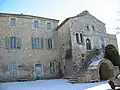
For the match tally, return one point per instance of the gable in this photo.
(84, 13)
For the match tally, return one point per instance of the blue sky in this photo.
(105, 10)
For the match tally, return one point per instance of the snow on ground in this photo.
(54, 84)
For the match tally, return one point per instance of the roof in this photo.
(79, 15)
(25, 15)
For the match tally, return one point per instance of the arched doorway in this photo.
(106, 71)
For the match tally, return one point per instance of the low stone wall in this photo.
(116, 70)
(92, 75)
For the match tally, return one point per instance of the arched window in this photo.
(81, 37)
(88, 44)
(77, 37)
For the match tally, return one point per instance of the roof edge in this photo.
(27, 15)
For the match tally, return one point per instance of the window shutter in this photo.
(7, 42)
(37, 43)
(18, 43)
(53, 44)
(33, 42)
(46, 43)
(42, 43)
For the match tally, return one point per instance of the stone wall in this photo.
(25, 58)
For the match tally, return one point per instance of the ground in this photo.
(55, 84)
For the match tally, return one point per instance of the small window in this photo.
(35, 42)
(77, 37)
(87, 27)
(102, 43)
(93, 27)
(36, 24)
(13, 71)
(88, 44)
(52, 68)
(50, 43)
(13, 42)
(13, 22)
(49, 26)
(81, 37)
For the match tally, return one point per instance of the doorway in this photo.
(38, 71)
(105, 71)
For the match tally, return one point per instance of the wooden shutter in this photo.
(33, 42)
(7, 42)
(42, 43)
(18, 43)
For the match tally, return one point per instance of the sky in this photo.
(108, 11)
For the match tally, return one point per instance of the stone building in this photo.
(33, 47)
(82, 39)
(27, 47)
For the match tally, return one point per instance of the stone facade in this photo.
(76, 43)
(83, 34)
(25, 58)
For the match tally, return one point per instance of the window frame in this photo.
(13, 42)
(37, 40)
(10, 19)
(80, 39)
(90, 47)
(34, 24)
(47, 26)
(52, 67)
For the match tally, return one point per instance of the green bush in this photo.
(112, 54)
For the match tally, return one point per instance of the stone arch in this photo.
(106, 69)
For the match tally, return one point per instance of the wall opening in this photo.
(105, 71)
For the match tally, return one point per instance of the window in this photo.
(42, 43)
(49, 26)
(87, 27)
(93, 27)
(77, 37)
(36, 24)
(49, 44)
(88, 44)
(13, 71)
(102, 43)
(13, 22)
(81, 38)
(13, 43)
(52, 68)
(37, 43)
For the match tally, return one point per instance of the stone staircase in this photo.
(82, 70)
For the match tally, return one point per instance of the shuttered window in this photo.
(13, 43)
(52, 67)
(37, 43)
